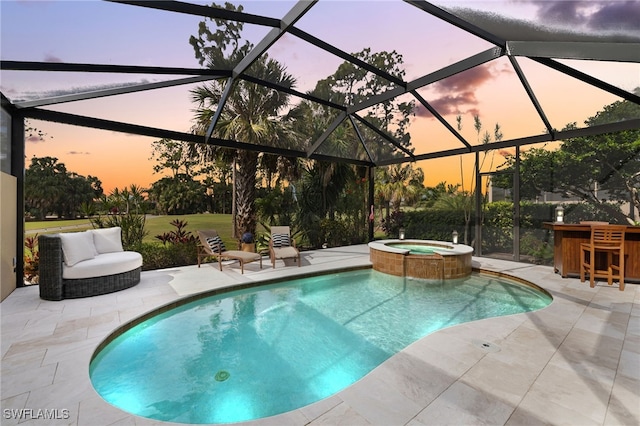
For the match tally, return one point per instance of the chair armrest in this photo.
(50, 267)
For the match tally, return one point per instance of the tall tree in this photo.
(174, 156)
(350, 85)
(251, 112)
(51, 188)
(583, 167)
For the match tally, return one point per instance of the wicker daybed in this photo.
(53, 268)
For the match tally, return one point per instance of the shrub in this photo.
(179, 248)
(157, 256)
(391, 224)
(541, 251)
(132, 226)
(31, 259)
(178, 235)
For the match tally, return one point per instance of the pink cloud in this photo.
(457, 94)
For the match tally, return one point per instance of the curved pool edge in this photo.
(256, 284)
(379, 376)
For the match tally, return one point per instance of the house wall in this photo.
(8, 220)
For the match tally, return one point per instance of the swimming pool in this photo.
(266, 350)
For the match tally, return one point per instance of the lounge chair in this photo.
(282, 246)
(210, 245)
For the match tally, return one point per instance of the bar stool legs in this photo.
(610, 240)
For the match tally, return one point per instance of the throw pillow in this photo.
(107, 240)
(76, 247)
(280, 240)
(216, 244)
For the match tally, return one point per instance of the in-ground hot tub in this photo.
(427, 259)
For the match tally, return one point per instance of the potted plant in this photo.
(248, 242)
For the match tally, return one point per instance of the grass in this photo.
(155, 225)
(54, 225)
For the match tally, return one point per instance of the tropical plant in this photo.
(125, 208)
(31, 259)
(179, 235)
(396, 184)
(131, 224)
(250, 113)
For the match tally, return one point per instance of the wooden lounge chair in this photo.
(282, 246)
(210, 245)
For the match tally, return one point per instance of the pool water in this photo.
(417, 248)
(267, 350)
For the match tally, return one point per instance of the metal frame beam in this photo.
(360, 138)
(134, 129)
(334, 125)
(296, 12)
(588, 79)
(440, 118)
(441, 74)
(384, 135)
(615, 52)
(221, 103)
(619, 126)
(111, 92)
(107, 68)
(458, 22)
(532, 96)
(292, 92)
(198, 10)
(344, 55)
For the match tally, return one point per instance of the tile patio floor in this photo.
(576, 362)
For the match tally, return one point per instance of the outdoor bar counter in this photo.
(567, 238)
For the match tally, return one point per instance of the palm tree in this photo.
(251, 116)
(398, 183)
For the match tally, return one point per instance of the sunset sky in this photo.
(108, 33)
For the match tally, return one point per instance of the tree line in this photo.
(315, 195)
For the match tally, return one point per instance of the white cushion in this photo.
(107, 240)
(103, 264)
(76, 247)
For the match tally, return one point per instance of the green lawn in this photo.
(155, 225)
(54, 225)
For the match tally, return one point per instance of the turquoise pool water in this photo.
(267, 350)
(417, 248)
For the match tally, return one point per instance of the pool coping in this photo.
(573, 362)
(442, 248)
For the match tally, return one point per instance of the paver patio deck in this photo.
(576, 362)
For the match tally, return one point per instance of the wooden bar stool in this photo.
(610, 240)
